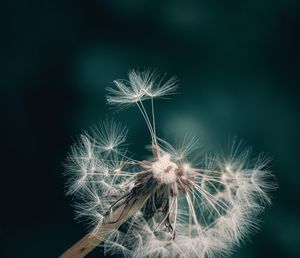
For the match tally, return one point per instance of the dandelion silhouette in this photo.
(163, 206)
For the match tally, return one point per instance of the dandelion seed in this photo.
(140, 86)
(164, 206)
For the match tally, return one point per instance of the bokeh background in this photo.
(238, 65)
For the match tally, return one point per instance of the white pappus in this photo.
(187, 210)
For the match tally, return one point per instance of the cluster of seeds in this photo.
(180, 210)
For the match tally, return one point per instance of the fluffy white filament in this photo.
(210, 208)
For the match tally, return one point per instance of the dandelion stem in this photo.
(97, 236)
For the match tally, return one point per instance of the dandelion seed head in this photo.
(189, 211)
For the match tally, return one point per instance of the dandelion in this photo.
(164, 206)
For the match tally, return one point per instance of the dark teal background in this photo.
(238, 65)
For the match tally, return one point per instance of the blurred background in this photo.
(238, 65)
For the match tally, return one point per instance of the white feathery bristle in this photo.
(108, 136)
(92, 168)
(142, 85)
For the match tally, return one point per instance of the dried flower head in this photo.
(164, 206)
